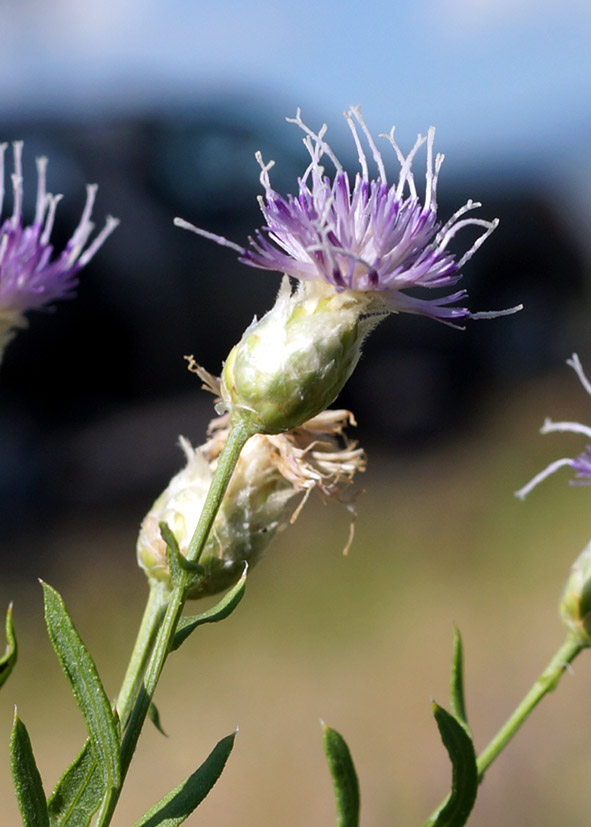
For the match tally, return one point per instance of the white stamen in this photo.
(430, 175)
(316, 137)
(469, 205)
(2, 155)
(110, 225)
(571, 427)
(405, 168)
(219, 239)
(551, 469)
(360, 152)
(374, 150)
(314, 166)
(52, 201)
(82, 231)
(17, 182)
(494, 314)
(575, 363)
(41, 202)
(492, 226)
(75, 250)
(443, 240)
(439, 159)
(264, 176)
(3, 246)
(323, 223)
(401, 161)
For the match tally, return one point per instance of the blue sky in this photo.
(499, 78)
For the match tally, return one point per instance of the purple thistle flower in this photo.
(581, 464)
(29, 277)
(372, 237)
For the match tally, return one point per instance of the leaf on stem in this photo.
(81, 672)
(178, 805)
(177, 562)
(78, 793)
(458, 703)
(8, 659)
(344, 777)
(154, 716)
(457, 740)
(26, 778)
(221, 610)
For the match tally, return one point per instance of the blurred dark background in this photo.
(95, 392)
(163, 105)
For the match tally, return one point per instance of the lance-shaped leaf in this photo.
(457, 807)
(178, 805)
(88, 690)
(178, 565)
(78, 793)
(344, 778)
(154, 716)
(8, 659)
(221, 610)
(26, 778)
(458, 703)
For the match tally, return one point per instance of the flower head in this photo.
(580, 464)
(31, 277)
(372, 238)
(261, 499)
(575, 606)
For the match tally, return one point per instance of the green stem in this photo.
(240, 432)
(547, 682)
(154, 612)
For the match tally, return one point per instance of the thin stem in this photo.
(547, 682)
(153, 614)
(240, 432)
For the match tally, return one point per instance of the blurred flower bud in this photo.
(291, 364)
(575, 606)
(271, 472)
(31, 275)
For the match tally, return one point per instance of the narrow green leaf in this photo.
(154, 716)
(221, 610)
(344, 778)
(81, 672)
(78, 793)
(177, 562)
(8, 659)
(457, 807)
(26, 778)
(458, 703)
(178, 805)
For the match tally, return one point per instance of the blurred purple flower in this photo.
(29, 277)
(581, 464)
(371, 238)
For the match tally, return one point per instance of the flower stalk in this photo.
(154, 612)
(237, 438)
(547, 682)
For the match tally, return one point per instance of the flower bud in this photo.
(575, 606)
(270, 473)
(292, 364)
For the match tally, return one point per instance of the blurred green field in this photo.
(363, 642)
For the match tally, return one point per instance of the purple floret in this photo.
(370, 237)
(582, 468)
(30, 276)
(581, 465)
